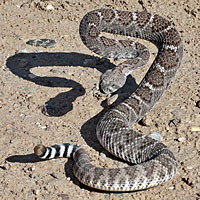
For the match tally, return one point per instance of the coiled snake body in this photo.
(153, 163)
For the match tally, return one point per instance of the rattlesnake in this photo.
(152, 162)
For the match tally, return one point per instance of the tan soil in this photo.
(66, 83)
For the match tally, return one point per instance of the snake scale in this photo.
(152, 163)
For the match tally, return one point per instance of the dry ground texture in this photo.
(63, 79)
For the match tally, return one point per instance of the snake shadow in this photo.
(21, 65)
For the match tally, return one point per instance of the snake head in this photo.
(111, 81)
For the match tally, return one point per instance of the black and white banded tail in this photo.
(65, 150)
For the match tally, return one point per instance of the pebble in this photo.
(56, 71)
(3, 167)
(22, 115)
(145, 121)
(32, 76)
(119, 195)
(198, 104)
(171, 188)
(50, 7)
(174, 122)
(188, 181)
(36, 192)
(181, 139)
(156, 136)
(111, 99)
(30, 89)
(54, 175)
(195, 128)
(11, 141)
(103, 155)
(45, 108)
(41, 126)
(50, 181)
(32, 168)
(42, 43)
(68, 178)
(189, 167)
(124, 165)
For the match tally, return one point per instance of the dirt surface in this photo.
(49, 96)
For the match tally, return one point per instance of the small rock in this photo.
(124, 165)
(181, 139)
(30, 89)
(156, 136)
(119, 195)
(3, 167)
(32, 76)
(28, 97)
(43, 127)
(36, 192)
(195, 128)
(175, 122)
(54, 175)
(56, 71)
(111, 99)
(22, 115)
(42, 43)
(32, 168)
(68, 178)
(189, 167)
(50, 7)
(30, 175)
(45, 108)
(198, 104)
(11, 141)
(188, 181)
(103, 155)
(171, 188)
(145, 121)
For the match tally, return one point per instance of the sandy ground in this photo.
(63, 79)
